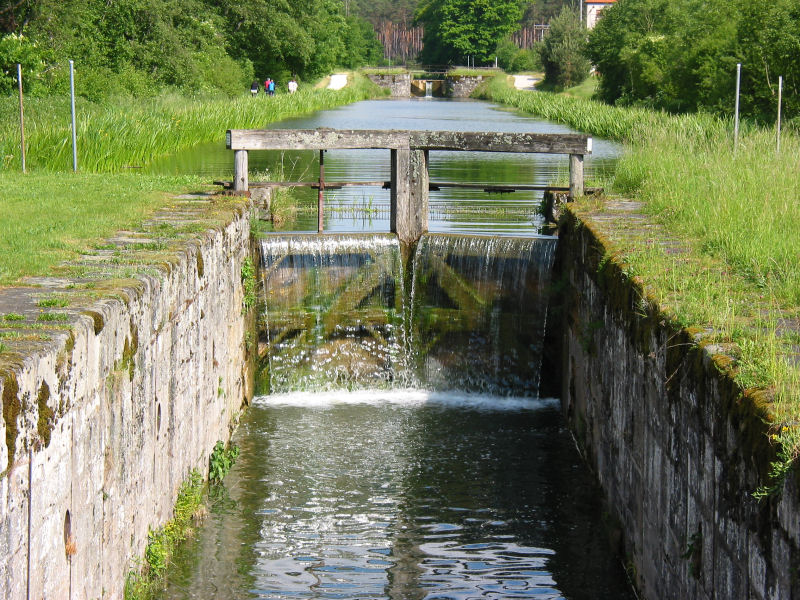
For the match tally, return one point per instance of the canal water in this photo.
(360, 209)
(435, 491)
(403, 494)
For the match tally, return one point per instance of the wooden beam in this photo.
(240, 168)
(547, 143)
(314, 139)
(576, 186)
(408, 216)
(336, 139)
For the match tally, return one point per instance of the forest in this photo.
(142, 47)
(681, 55)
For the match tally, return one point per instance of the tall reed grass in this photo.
(737, 214)
(125, 132)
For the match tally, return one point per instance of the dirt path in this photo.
(338, 81)
(525, 82)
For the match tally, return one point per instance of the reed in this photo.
(128, 132)
(735, 213)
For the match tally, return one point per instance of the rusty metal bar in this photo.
(321, 194)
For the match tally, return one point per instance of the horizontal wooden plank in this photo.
(495, 187)
(314, 139)
(548, 143)
(336, 139)
(310, 184)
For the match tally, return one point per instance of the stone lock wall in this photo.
(102, 424)
(399, 85)
(677, 446)
(462, 86)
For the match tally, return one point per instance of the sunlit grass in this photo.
(51, 214)
(735, 216)
(129, 133)
(55, 217)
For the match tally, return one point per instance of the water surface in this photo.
(367, 208)
(405, 494)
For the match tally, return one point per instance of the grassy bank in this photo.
(125, 133)
(58, 214)
(735, 216)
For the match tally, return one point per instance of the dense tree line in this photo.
(681, 55)
(455, 29)
(141, 47)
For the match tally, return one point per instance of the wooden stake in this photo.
(21, 118)
(321, 193)
(780, 100)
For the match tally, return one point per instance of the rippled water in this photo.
(403, 494)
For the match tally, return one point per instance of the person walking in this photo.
(254, 88)
(292, 86)
(271, 87)
(266, 86)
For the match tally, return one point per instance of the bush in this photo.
(14, 50)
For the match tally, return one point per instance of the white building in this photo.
(593, 10)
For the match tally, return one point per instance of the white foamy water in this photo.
(406, 397)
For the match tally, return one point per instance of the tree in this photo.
(455, 29)
(563, 51)
(681, 55)
(362, 47)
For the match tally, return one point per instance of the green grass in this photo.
(736, 213)
(59, 214)
(128, 133)
(384, 70)
(584, 90)
(468, 72)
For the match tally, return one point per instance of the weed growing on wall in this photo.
(143, 583)
(221, 461)
(249, 283)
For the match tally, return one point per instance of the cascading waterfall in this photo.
(479, 309)
(332, 311)
(429, 89)
(335, 317)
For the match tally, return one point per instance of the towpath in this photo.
(525, 82)
(338, 81)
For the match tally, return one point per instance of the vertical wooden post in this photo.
(74, 126)
(321, 194)
(399, 196)
(575, 176)
(240, 183)
(420, 180)
(21, 118)
(409, 197)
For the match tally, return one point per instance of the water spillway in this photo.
(332, 312)
(478, 312)
(337, 312)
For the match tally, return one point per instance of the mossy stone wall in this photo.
(677, 445)
(104, 420)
